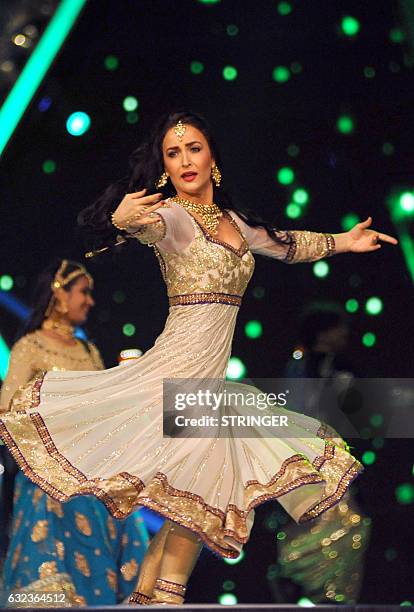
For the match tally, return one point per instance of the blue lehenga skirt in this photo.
(75, 549)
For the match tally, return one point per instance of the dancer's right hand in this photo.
(136, 210)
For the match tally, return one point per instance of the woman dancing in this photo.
(100, 433)
(69, 548)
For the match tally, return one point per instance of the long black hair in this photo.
(145, 167)
(42, 293)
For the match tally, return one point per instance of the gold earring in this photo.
(216, 175)
(162, 180)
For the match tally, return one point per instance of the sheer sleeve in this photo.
(21, 370)
(172, 232)
(293, 246)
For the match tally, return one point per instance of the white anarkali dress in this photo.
(101, 433)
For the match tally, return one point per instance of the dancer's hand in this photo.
(136, 210)
(363, 240)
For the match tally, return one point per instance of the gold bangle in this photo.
(123, 229)
(127, 223)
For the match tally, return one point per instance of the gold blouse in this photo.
(37, 352)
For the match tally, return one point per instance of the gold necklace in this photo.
(65, 330)
(209, 213)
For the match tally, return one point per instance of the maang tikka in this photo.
(180, 130)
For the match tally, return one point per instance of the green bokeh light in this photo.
(296, 67)
(388, 148)
(352, 305)
(229, 73)
(350, 26)
(196, 67)
(130, 103)
(232, 29)
(369, 457)
(369, 72)
(111, 62)
(281, 74)
(78, 123)
(321, 269)
(404, 493)
(132, 117)
(227, 599)
(401, 204)
(300, 196)
(376, 420)
(235, 369)
(118, 297)
(369, 339)
(285, 175)
(258, 293)
(128, 329)
(293, 211)
(293, 150)
(305, 602)
(6, 282)
(397, 35)
(349, 220)
(284, 8)
(228, 585)
(253, 329)
(281, 535)
(345, 124)
(374, 305)
(48, 166)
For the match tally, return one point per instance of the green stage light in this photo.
(258, 293)
(281, 74)
(4, 358)
(196, 67)
(345, 124)
(405, 493)
(227, 599)
(296, 67)
(401, 205)
(407, 202)
(111, 62)
(128, 329)
(406, 603)
(235, 369)
(350, 26)
(6, 282)
(285, 176)
(78, 123)
(369, 72)
(397, 35)
(349, 220)
(236, 560)
(293, 150)
(253, 329)
(321, 269)
(49, 166)
(305, 602)
(374, 306)
(36, 67)
(118, 297)
(293, 211)
(388, 148)
(369, 339)
(376, 420)
(209, 1)
(130, 103)
(232, 30)
(281, 535)
(132, 117)
(352, 305)
(228, 585)
(300, 196)
(369, 457)
(284, 8)
(229, 73)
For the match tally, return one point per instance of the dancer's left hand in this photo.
(364, 240)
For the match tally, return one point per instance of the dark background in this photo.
(255, 119)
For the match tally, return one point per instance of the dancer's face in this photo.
(188, 161)
(79, 301)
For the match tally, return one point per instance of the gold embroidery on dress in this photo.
(83, 524)
(112, 579)
(54, 506)
(129, 569)
(47, 568)
(16, 556)
(40, 531)
(111, 528)
(82, 564)
(60, 549)
(37, 494)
